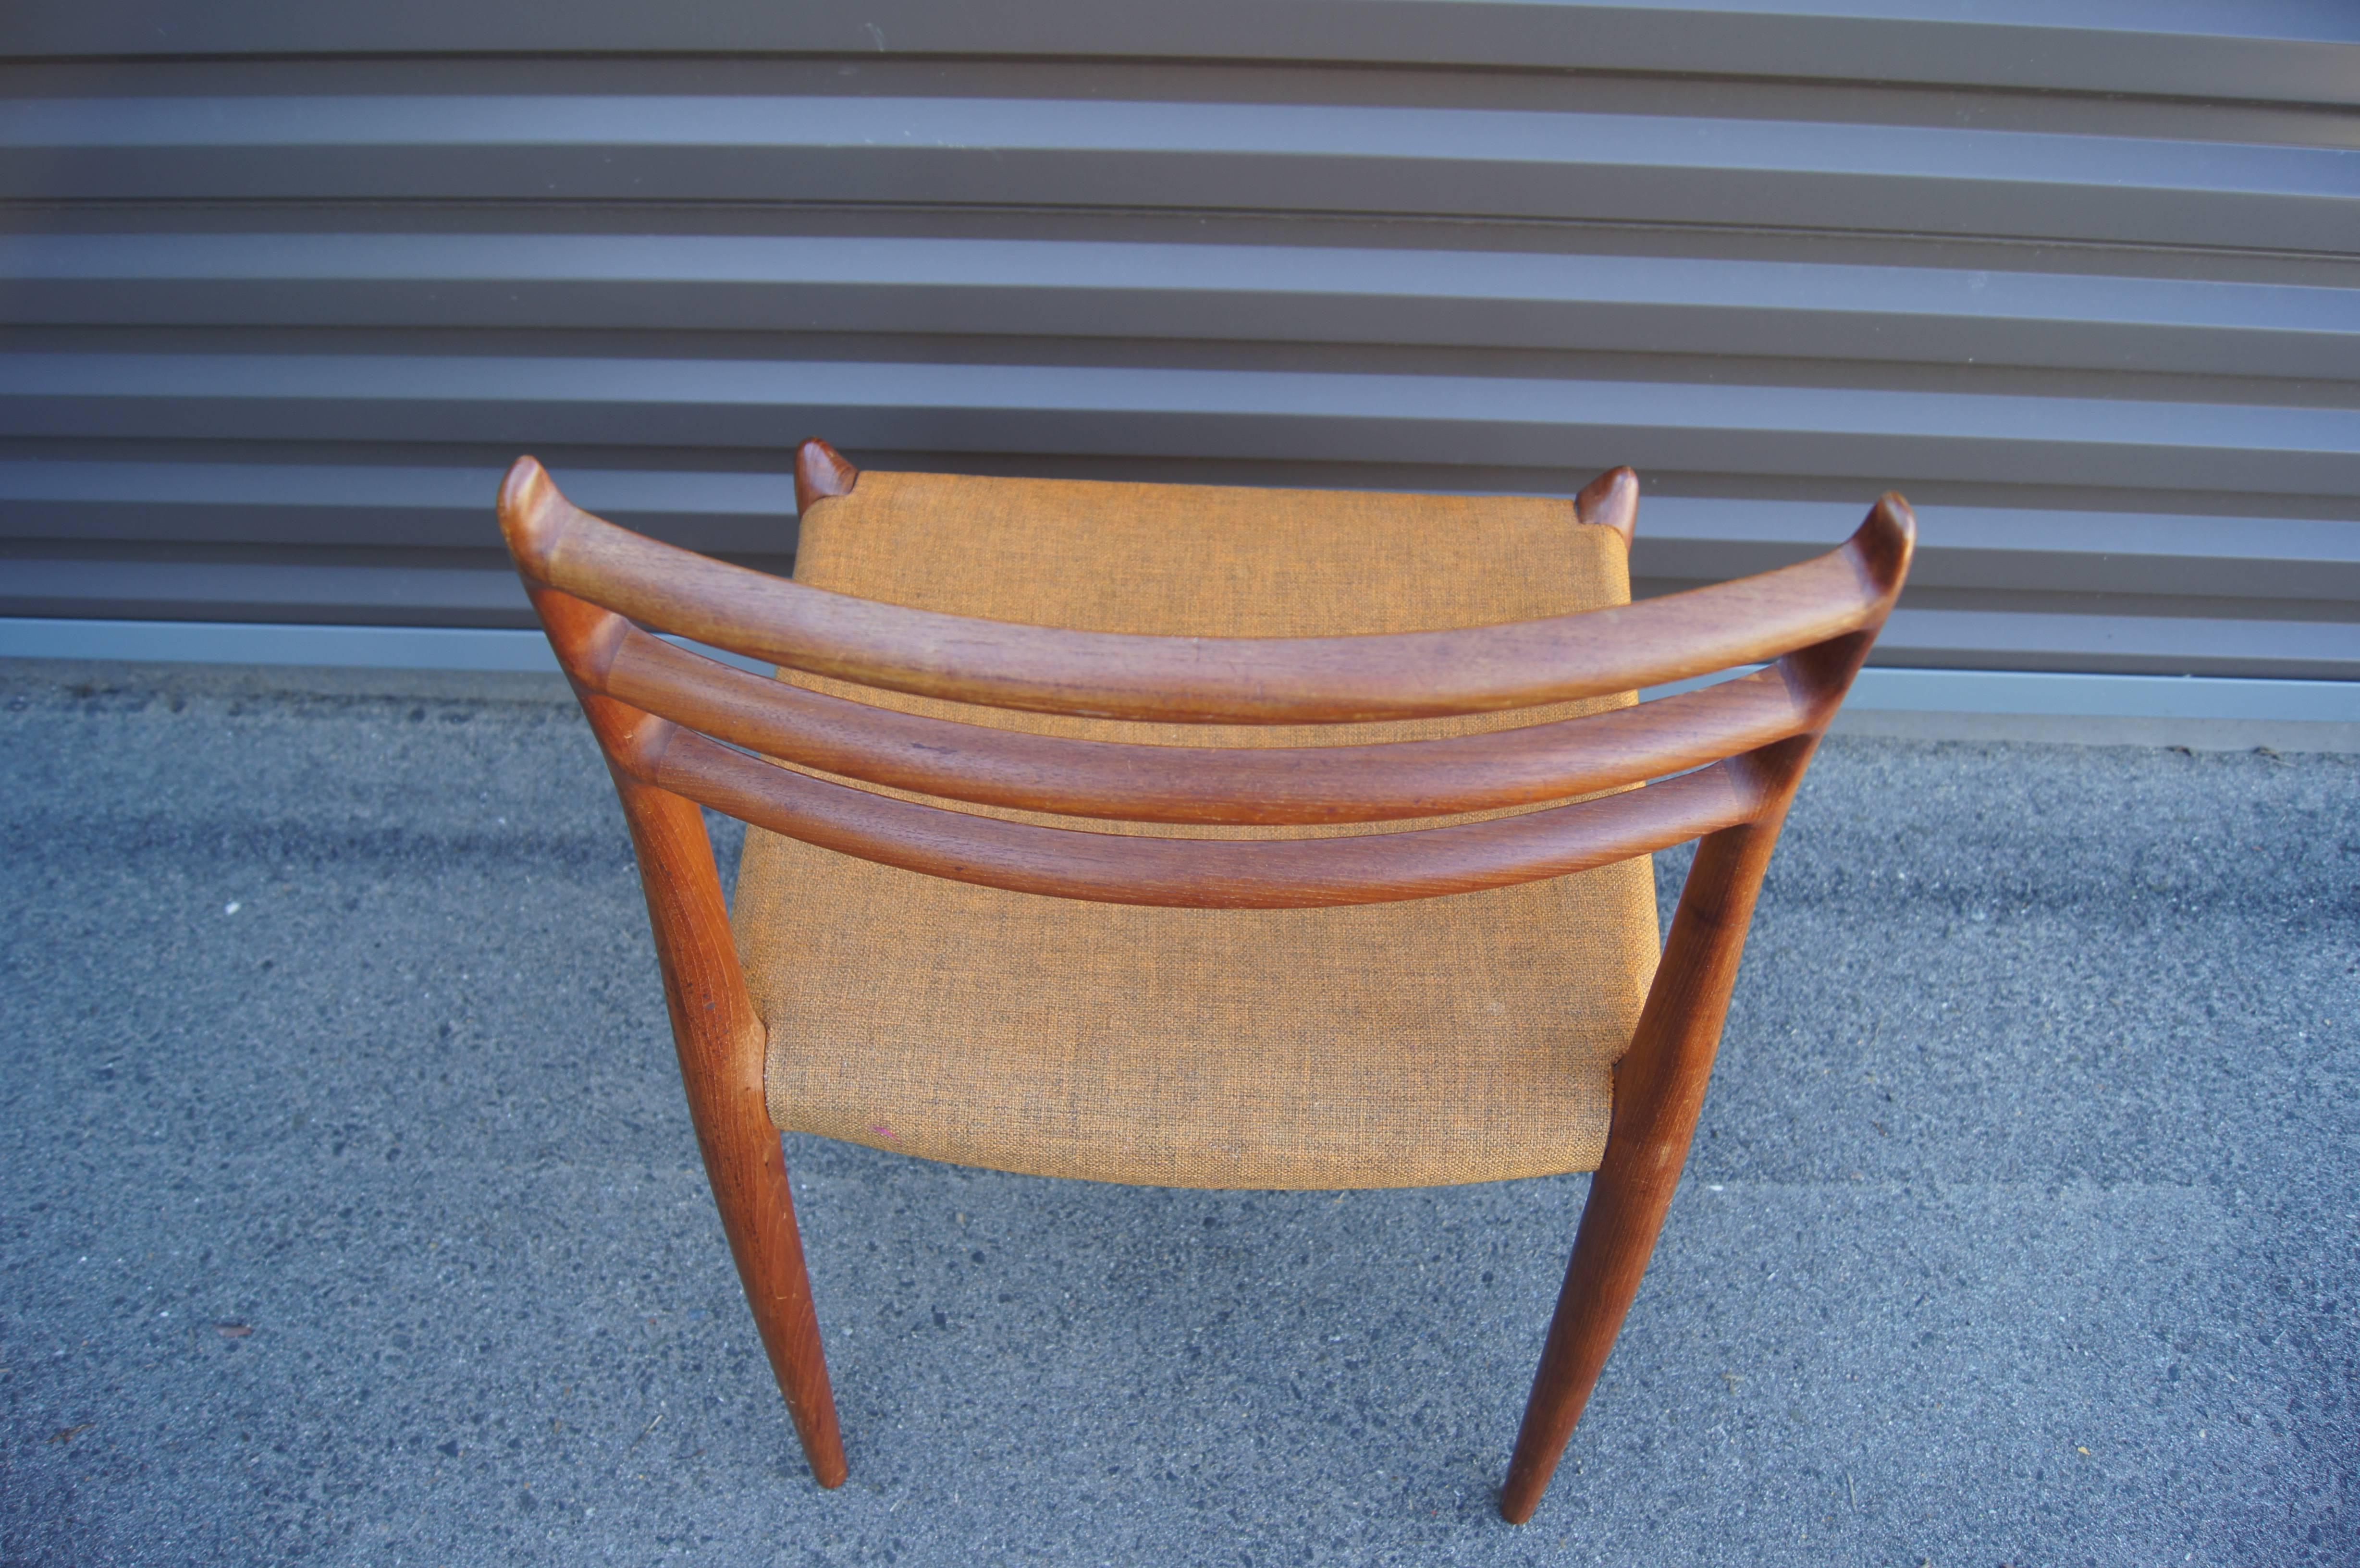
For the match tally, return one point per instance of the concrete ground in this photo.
(349, 1212)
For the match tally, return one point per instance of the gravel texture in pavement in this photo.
(349, 1210)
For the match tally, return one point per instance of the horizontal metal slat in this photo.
(487, 594)
(1683, 539)
(2032, 549)
(1987, 640)
(1277, 293)
(324, 504)
(1329, 417)
(483, 594)
(2224, 49)
(1280, 156)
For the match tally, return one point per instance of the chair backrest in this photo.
(1724, 754)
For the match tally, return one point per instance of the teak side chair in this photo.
(1164, 937)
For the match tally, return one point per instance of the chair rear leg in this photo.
(748, 1170)
(1658, 1091)
(1619, 1226)
(721, 1043)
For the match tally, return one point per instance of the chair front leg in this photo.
(722, 1042)
(1658, 1090)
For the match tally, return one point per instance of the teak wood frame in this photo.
(1734, 752)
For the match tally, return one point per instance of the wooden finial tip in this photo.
(821, 472)
(1888, 539)
(525, 475)
(529, 505)
(1612, 501)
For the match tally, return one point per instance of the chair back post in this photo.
(722, 1044)
(1659, 1087)
(1659, 1084)
(720, 1036)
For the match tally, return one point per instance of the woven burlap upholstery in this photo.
(1462, 1038)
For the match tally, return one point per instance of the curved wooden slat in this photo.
(1233, 785)
(1212, 874)
(1253, 680)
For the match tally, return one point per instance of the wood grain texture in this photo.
(1206, 679)
(821, 472)
(722, 1047)
(721, 1042)
(1378, 782)
(1188, 872)
(1612, 501)
(1659, 1088)
(1658, 1092)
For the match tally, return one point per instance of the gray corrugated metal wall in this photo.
(283, 286)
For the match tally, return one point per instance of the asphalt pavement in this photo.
(349, 1212)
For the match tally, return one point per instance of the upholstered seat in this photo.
(1460, 1039)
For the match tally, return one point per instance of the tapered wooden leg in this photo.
(721, 1043)
(1658, 1090)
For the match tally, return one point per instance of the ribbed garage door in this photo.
(284, 288)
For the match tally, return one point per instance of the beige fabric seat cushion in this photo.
(1462, 1038)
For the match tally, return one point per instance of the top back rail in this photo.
(657, 709)
(1183, 680)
